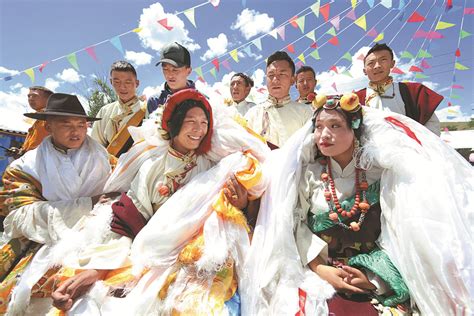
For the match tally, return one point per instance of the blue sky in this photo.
(33, 32)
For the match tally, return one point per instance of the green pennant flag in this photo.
(420, 76)
(315, 8)
(459, 66)
(198, 70)
(213, 72)
(347, 73)
(332, 31)
(73, 60)
(347, 56)
(423, 54)
(464, 34)
(455, 96)
(315, 54)
(300, 23)
(311, 35)
(407, 55)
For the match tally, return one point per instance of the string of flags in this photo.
(332, 21)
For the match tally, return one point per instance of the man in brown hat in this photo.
(37, 99)
(48, 192)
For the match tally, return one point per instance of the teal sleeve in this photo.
(379, 263)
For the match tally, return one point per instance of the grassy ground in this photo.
(458, 126)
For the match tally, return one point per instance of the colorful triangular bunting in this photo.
(234, 55)
(164, 23)
(361, 22)
(335, 21)
(258, 43)
(91, 51)
(457, 53)
(213, 72)
(347, 56)
(325, 11)
(31, 73)
(397, 70)
(73, 60)
(464, 34)
(386, 3)
(351, 15)
(379, 37)
(300, 22)
(334, 41)
(443, 25)
(315, 54)
(117, 43)
(332, 31)
(311, 35)
(416, 17)
(290, 48)
(315, 8)
(43, 65)
(215, 62)
(198, 70)
(415, 69)
(407, 55)
(421, 76)
(281, 32)
(425, 64)
(189, 13)
(423, 54)
(459, 66)
(301, 57)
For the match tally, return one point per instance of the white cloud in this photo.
(13, 105)
(51, 84)
(138, 58)
(251, 23)
(452, 114)
(69, 75)
(16, 86)
(149, 90)
(217, 46)
(155, 36)
(8, 72)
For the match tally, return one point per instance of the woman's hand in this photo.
(336, 277)
(73, 288)
(104, 198)
(236, 193)
(357, 278)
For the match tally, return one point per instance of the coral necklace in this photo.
(333, 201)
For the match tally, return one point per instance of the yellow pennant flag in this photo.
(137, 30)
(234, 55)
(354, 3)
(459, 66)
(379, 38)
(443, 25)
(361, 22)
(31, 73)
(301, 57)
(189, 13)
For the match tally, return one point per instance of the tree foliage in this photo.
(99, 94)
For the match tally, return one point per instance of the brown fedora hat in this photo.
(62, 104)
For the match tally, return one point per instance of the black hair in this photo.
(177, 118)
(305, 69)
(280, 55)
(349, 116)
(122, 65)
(378, 47)
(247, 79)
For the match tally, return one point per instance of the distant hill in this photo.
(457, 126)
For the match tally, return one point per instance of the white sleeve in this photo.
(98, 129)
(309, 245)
(45, 221)
(433, 125)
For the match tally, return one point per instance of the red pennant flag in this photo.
(290, 48)
(215, 62)
(397, 70)
(458, 53)
(416, 17)
(226, 65)
(334, 41)
(325, 11)
(425, 64)
(334, 68)
(427, 35)
(164, 23)
(449, 4)
(449, 103)
(361, 57)
(293, 21)
(415, 69)
(314, 45)
(457, 86)
(334, 86)
(201, 79)
(468, 11)
(43, 65)
(91, 51)
(372, 32)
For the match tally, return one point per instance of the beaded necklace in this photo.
(333, 201)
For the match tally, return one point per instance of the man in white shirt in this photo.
(278, 117)
(240, 86)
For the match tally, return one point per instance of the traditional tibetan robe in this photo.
(242, 107)
(47, 196)
(276, 120)
(112, 130)
(36, 133)
(408, 98)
